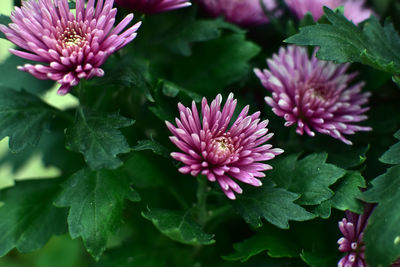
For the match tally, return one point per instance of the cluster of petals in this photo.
(352, 243)
(352, 228)
(152, 6)
(244, 13)
(223, 153)
(314, 94)
(354, 10)
(71, 47)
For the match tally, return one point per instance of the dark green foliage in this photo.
(277, 245)
(95, 200)
(273, 204)
(347, 196)
(230, 55)
(392, 156)
(156, 147)
(341, 41)
(310, 177)
(178, 226)
(141, 170)
(28, 217)
(97, 137)
(23, 117)
(382, 236)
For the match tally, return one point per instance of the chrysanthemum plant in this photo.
(166, 137)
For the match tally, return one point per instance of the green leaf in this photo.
(95, 200)
(178, 226)
(392, 156)
(152, 145)
(382, 236)
(341, 41)
(229, 56)
(347, 195)
(310, 177)
(318, 259)
(27, 216)
(271, 203)
(23, 117)
(97, 137)
(5, 20)
(277, 245)
(172, 90)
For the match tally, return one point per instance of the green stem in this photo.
(201, 194)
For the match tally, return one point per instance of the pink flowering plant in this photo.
(199, 133)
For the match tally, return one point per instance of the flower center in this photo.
(223, 147)
(72, 38)
(317, 91)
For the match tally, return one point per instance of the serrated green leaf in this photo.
(97, 137)
(95, 200)
(392, 156)
(382, 236)
(347, 195)
(27, 216)
(310, 177)
(341, 41)
(229, 56)
(178, 226)
(271, 203)
(277, 245)
(152, 145)
(23, 117)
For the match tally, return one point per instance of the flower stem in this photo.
(201, 194)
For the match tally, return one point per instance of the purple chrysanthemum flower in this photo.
(152, 6)
(352, 228)
(73, 47)
(314, 94)
(352, 242)
(354, 10)
(243, 13)
(222, 153)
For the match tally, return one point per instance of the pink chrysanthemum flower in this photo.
(72, 47)
(243, 13)
(314, 94)
(222, 153)
(352, 243)
(352, 228)
(354, 10)
(152, 6)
